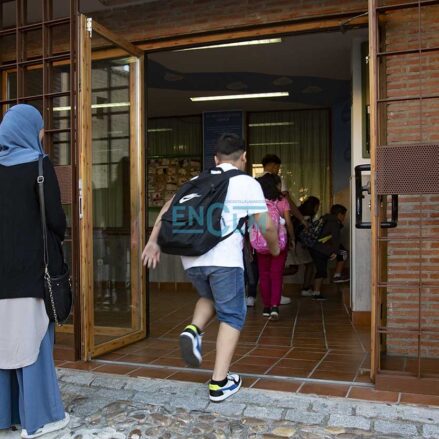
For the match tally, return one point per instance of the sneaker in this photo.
(48, 428)
(274, 314)
(340, 279)
(307, 293)
(266, 312)
(251, 301)
(319, 296)
(220, 393)
(285, 300)
(190, 346)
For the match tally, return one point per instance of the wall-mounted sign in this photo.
(215, 124)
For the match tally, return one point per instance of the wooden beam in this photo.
(85, 182)
(375, 207)
(262, 31)
(116, 39)
(137, 195)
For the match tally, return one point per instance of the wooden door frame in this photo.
(137, 192)
(297, 27)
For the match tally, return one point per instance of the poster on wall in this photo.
(166, 175)
(216, 123)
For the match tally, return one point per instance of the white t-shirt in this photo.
(244, 197)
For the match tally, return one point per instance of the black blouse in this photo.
(21, 240)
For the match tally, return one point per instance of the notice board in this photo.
(216, 123)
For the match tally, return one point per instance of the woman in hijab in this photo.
(29, 392)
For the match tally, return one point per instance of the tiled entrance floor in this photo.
(313, 348)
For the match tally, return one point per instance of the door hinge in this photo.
(89, 27)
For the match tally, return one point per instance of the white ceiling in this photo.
(312, 59)
(323, 54)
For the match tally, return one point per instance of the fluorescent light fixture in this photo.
(236, 44)
(242, 96)
(273, 143)
(160, 130)
(271, 124)
(112, 105)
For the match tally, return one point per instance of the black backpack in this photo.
(192, 224)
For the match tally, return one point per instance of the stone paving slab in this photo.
(104, 406)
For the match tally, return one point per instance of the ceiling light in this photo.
(112, 105)
(160, 130)
(271, 124)
(273, 143)
(242, 96)
(236, 44)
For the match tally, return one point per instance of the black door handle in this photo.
(359, 190)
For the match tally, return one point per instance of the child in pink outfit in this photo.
(270, 267)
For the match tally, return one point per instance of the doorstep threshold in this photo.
(243, 374)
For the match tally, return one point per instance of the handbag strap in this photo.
(40, 183)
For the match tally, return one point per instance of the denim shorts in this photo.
(225, 287)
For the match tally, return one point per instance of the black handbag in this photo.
(58, 289)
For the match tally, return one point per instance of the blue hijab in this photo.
(19, 135)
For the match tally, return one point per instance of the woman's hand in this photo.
(151, 255)
(292, 244)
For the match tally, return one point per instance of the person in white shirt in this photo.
(218, 275)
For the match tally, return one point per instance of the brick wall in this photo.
(413, 261)
(168, 18)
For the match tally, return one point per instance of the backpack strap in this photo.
(241, 222)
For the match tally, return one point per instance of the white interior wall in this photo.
(360, 238)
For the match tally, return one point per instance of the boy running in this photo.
(218, 275)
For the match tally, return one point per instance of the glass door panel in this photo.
(113, 171)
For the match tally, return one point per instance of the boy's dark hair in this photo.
(230, 146)
(269, 183)
(271, 158)
(308, 207)
(337, 209)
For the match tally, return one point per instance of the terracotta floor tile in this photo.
(173, 362)
(336, 376)
(414, 398)
(116, 369)
(193, 377)
(372, 394)
(152, 373)
(257, 361)
(305, 355)
(81, 365)
(285, 386)
(289, 372)
(325, 389)
(270, 352)
(129, 349)
(208, 364)
(363, 377)
(140, 359)
(275, 341)
(112, 356)
(296, 363)
(59, 363)
(64, 354)
(248, 381)
(245, 368)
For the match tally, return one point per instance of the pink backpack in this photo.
(258, 242)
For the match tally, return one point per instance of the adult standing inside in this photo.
(29, 392)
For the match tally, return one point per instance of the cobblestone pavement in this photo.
(114, 407)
